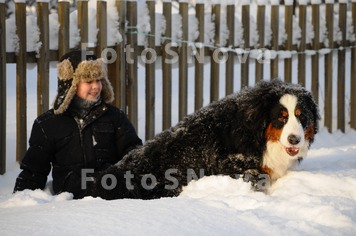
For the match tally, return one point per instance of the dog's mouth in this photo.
(292, 151)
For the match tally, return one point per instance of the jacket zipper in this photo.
(81, 128)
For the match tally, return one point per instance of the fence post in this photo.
(83, 21)
(230, 21)
(21, 100)
(116, 69)
(183, 60)
(275, 36)
(150, 74)
(341, 69)
(214, 65)
(289, 41)
(353, 74)
(316, 47)
(167, 67)
(43, 60)
(261, 13)
(328, 66)
(131, 53)
(245, 15)
(199, 59)
(63, 33)
(101, 23)
(302, 45)
(2, 88)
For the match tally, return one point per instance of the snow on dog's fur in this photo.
(258, 134)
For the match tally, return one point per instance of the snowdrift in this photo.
(316, 198)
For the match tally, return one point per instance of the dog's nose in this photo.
(293, 139)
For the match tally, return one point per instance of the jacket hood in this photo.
(71, 70)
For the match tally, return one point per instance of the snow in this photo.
(316, 198)
(288, 2)
(33, 34)
(303, 2)
(261, 2)
(143, 26)
(245, 2)
(275, 2)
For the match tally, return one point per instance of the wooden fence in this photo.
(124, 75)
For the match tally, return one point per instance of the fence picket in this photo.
(43, 60)
(21, 93)
(83, 21)
(353, 75)
(261, 14)
(275, 37)
(150, 75)
(214, 55)
(289, 42)
(341, 69)
(3, 99)
(183, 61)
(101, 23)
(131, 88)
(245, 15)
(167, 68)
(329, 67)
(117, 69)
(230, 21)
(199, 65)
(63, 33)
(316, 47)
(302, 44)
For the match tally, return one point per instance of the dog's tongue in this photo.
(292, 151)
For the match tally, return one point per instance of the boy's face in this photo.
(89, 90)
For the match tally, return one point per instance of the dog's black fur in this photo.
(225, 138)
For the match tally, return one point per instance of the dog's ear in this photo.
(256, 105)
(314, 109)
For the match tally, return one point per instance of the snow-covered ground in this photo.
(317, 198)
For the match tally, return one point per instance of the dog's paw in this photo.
(259, 181)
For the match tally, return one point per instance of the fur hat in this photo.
(72, 69)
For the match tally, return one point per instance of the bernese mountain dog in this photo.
(257, 134)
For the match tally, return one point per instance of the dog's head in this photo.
(293, 124)
(289, 118)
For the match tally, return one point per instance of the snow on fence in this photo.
(230, 33)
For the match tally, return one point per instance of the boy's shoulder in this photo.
(114, 109)
(45, 116)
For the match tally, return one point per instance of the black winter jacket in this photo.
(67, 145)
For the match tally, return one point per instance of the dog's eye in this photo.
(283, 117)
(302, 117)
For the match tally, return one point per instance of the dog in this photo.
(258, 134)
